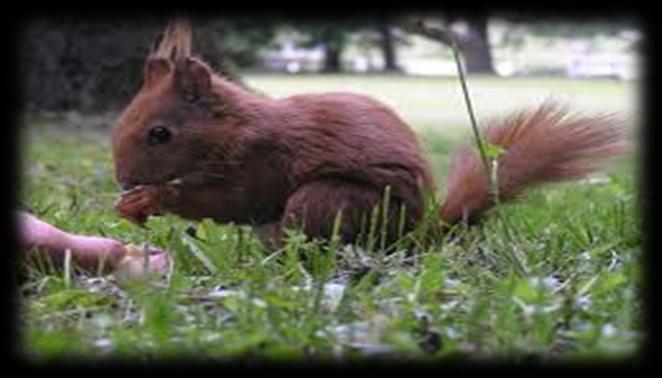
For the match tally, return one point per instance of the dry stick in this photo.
(67, 268)
(491, 174)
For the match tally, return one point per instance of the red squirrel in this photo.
(197, 145)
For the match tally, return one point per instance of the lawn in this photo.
(580, 245)
(438, 103)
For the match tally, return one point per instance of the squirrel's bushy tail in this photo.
(544, 145)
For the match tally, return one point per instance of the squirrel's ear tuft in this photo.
(155, 70)
(170, 50)
(175, 43)
(193, 78)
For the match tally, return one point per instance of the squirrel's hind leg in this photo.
(314, 208)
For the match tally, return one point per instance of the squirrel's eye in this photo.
(158, 135)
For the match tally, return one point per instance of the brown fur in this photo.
(543, 145)
(297, 161)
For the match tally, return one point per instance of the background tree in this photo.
(95, 65)
(332, 34)
(471, 35)
(87, 65)
(237, 41)
(334, 44)
(387, 44)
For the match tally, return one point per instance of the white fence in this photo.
(575, 63)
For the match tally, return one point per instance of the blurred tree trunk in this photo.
(334, 43)
(473, 42)
(87, 66)
(476, 49)
(387, 45)
(332, 58)
(93, 65)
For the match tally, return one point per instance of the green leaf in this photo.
(197, 252)
(492, 151)
(524, 291)
(65, 299)
(611, 281)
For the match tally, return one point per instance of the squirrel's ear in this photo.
(194, 79)
(155, 70)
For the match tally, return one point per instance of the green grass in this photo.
(228, 297)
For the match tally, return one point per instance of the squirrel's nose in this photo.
(126, 183)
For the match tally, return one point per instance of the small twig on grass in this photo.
(67, 268)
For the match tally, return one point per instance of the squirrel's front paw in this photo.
(138, 204)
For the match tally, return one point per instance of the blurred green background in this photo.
(93, 65)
